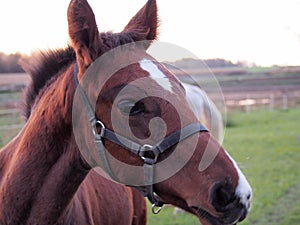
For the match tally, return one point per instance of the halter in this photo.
(101, 132)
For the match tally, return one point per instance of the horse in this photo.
(205, 110)
(69, 163)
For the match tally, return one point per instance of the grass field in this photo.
(266, 145)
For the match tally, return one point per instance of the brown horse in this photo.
(47, 173)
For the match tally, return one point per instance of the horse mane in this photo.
(44, 67)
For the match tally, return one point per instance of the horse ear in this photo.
(84, 33)
(144, 25)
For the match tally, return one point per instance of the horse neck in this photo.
(43, 167)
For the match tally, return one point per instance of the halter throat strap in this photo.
(132, 146)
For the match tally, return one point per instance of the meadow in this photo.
(265, 144)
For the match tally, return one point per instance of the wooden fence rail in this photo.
(271, 102)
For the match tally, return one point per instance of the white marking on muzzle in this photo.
(243, 190)
(156, 74)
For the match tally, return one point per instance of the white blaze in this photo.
(243, 190)
(156, 74)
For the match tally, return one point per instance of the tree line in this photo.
(189, 63)
(11, 63)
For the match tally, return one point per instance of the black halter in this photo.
(136, 148)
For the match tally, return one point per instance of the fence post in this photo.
(285, 102)
(272, 102)
(248, 107)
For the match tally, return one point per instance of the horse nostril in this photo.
(249, 196)
(221, 197)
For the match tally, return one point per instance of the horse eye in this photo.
(138, 108)
(131, 108)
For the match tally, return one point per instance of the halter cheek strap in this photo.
(101, 132)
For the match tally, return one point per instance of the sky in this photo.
(265, 32)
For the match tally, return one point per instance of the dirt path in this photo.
(14, 79)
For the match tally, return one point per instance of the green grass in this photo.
(8, 128)
(9, 99)
(168, 217)
(266, 146)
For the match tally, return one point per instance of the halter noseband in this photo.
(136, 148)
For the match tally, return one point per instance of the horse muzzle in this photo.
(225, 218)
(229, 208)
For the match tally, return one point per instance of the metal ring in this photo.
(156, 209)
(144, 149)
(96, 125)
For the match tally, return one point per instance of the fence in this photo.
(267, 101)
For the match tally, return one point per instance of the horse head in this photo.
(148, 135)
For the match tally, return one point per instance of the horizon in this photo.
(265, 33)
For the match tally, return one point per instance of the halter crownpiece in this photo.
(101, 132)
